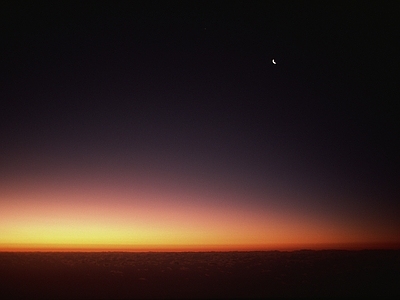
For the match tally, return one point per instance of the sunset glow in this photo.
(67, 215)
(168, 127)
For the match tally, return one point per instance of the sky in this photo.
(153, 126)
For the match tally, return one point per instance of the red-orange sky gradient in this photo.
(165, 126)
(95, 212)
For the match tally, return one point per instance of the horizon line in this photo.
(197, 248)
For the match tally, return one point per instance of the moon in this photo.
(273, 61)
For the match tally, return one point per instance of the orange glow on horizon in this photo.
(192, 248)
(54, 218)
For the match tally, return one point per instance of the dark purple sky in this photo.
(188, 90)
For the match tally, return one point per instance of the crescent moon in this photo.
(273, 61)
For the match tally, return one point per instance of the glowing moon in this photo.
(273, 61)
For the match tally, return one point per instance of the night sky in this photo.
(165, 125)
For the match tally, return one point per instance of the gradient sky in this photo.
(165, 126)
